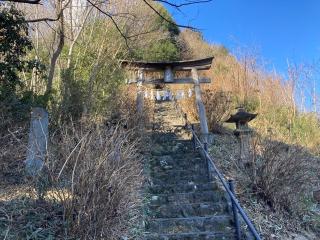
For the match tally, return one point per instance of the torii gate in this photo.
(169, 69)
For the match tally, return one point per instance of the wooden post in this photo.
(200, 106)
(38, 141)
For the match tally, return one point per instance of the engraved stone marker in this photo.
(38, 141)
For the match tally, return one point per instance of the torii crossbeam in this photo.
(169, 69)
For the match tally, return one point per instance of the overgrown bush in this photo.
(283, 175)
(13, 141)
(92, 189)
(189, 107)
(96, 173)
(218, 106)
(276, 188)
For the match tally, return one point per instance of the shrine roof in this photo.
(200, 64)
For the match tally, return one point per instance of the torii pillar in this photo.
(168, 69)
(200, 106)
(140, 94)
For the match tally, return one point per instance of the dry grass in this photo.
(102, 171)
(92, 192)
(125, 109)
(13, 139)
(188, 104)
(276, 189)
(25, 218)
(218, 107)
(90, 185)
(283, 175)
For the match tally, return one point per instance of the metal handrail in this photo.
(234, 200)
(225, 185)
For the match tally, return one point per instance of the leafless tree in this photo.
(59, 19)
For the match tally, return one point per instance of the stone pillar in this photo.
(200, 107)
(140, 98)
(38, 141)
(244, 136)
(140, 94)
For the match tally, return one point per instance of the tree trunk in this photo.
(58, 50)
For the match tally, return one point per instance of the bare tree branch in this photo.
(44, 19)
(48, 19)
(166, 19)
(24, 1)
(112, 16)
(176, 5)
(113, 21)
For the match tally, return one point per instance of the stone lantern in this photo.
(243, 132)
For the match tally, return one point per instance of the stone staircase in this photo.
(183, 202)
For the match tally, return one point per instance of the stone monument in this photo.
(38, 141)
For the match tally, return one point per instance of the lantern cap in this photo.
(242, 116)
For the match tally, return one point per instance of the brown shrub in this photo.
(96, 174)
(218, 107)
(275, 189)
(13, 141)
(189, 107)
(124, 109)
(283, 175)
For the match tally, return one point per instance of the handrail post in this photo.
(205, 146)
(193, 138)
(185, 120)
(235, 211)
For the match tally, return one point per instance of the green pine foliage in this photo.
(14, 47)
(164, 50)
(167, 49)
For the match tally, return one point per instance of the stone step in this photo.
(203, 209)
(205, 196)
(161, 137)
(165, 171)
(170, 148)
(192, 236)
(164, 167)
(179, 176)
(177, 160)
(192, 179)
(183, 204)
(213, 224)
(183, 188)
(166, 139)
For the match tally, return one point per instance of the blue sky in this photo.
(277, 29)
